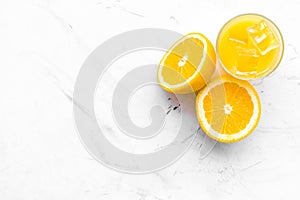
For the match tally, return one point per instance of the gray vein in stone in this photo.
(116, 5)
(272, 129)
(63, 82)
(174, 19)
(132, 13)
(188, 137)
(251, 166)
(61, 20)
(293, 78)
(294, 48)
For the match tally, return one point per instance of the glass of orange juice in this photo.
(249, 46)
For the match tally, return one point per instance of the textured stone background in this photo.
(43, 44)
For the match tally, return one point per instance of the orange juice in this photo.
(249, 46)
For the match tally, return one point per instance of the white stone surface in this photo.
(43, 44)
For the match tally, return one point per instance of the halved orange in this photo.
(228, 109)
(188, 64)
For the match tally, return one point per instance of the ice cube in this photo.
(237, 41)
(247, 59)
(263, 37)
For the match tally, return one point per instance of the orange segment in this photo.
(228, 109)
(182, 62)
(187, 65)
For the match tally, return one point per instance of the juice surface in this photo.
(249, 46)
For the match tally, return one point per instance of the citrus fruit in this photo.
(187, 65)
(228, 109)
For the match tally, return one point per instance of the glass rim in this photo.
(273, 68)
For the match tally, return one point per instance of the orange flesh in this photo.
(230, 94)
(188, 54)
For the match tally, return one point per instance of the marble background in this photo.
(43, 44)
